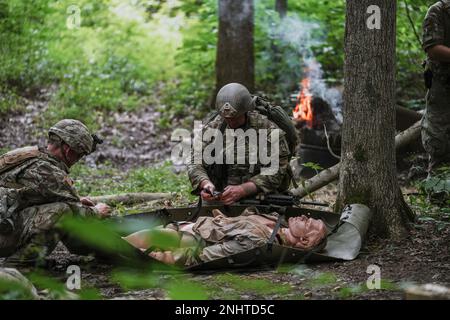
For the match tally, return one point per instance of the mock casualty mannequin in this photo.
(211, 238)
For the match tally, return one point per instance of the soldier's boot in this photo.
(38, 235)
(35, 253)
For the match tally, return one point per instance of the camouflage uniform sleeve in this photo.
(83, 210)
(271, 182)
(54, 186)
(197, 170)
(197, 173)
(433, 28)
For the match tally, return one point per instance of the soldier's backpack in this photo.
(277, 115)
(9, 198)
(16, 157)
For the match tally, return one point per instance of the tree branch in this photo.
(408, 14)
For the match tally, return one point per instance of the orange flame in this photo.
(303, 109)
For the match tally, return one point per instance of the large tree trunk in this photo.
(368, 171)
(235, 52)
(281, 6)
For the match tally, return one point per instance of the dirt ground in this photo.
(132, 139)
(424, 257)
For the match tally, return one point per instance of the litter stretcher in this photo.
(346, 233)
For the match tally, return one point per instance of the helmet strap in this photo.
(66, 161)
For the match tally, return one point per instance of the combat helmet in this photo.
(76, 135)
(234, 100)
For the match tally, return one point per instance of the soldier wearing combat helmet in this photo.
(236, 110)
(36, 191)
(436, 122)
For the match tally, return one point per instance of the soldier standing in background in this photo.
(436, 121)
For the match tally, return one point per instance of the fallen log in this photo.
(405, 118)
(130, 198)
(410, 135)
(329, 175)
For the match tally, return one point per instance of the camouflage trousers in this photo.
(36, 233)
(436, 125)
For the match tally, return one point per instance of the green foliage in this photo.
(3, 150)
(96, 234)
(195, 61)
(14, 290)
(124, 49)
(433, 198)
(282, 45)
(438, 183)
(185, 289)
(9, 101)
(312, 165)
(331, 16)
(111, 181)
(410, 55)
(323, 279)
(111, 62)
(55, 288)
(358, 289)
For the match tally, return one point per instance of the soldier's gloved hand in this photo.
(208, 189)
(87, 202)
(103, 209)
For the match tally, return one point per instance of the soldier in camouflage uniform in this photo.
(436, 122)
(235, 108)
(36, 191)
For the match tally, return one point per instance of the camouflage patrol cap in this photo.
(234, 100)
(76, 135)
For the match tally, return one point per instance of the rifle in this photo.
(283, 200)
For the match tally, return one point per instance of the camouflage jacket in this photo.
(238, 173)
(436, 31)
(40, 180)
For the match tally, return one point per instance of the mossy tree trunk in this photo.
(235, 48)
(368, 169)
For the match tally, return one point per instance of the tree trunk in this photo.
(235, 52)
(281, 6)
(368, 171)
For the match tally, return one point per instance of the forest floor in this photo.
(135, 141)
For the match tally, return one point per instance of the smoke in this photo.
(302, 36)
(298, 34)
(318, 87)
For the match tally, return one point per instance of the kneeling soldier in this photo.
(36, 191)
